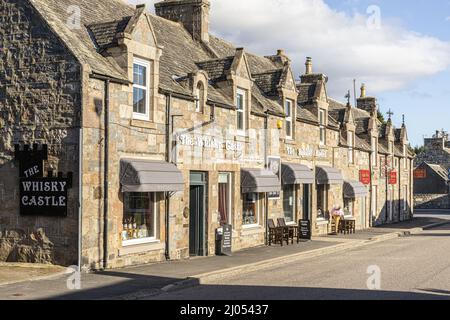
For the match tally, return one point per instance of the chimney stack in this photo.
(309, 66)
(363, 90)
(192, 14)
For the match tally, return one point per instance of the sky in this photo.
(399, 48)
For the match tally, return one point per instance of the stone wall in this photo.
(39, 103)
(431, 201)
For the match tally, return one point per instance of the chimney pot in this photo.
(363, 90)
(308, 65)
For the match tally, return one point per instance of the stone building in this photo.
(172, 133)
(431, 173)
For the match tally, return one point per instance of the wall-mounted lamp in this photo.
(280, 124)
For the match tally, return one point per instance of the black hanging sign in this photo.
(305, 229)
(39, 195)
(31, 160)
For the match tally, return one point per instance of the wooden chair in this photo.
(292, 231)
(276, 234)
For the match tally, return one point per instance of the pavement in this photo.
(142, 282)
(414, 267)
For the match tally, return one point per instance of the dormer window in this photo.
(288, 111)
(200, 97)
(241, 106)
(322, 125)
(141, 85)
(351, 144)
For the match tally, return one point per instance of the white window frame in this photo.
(197, 101)
(294, 205)
(243, 93)
(258, 214)
(147, 65)
(288, 105)
(322, 124)
(154, 239)
(351, 144)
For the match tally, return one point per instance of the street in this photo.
(415, 267)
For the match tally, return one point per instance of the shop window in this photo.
(139, 218)
(322, 124)
(289, 125)
(225, 198)
(348, 207)
(141, 85)
(250, 215)
(322, 204)
(289, 203)
(241, 109)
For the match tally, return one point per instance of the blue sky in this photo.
(404, 60)
(425, 101)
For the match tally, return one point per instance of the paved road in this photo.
(415, 267)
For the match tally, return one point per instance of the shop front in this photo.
(296, 180)
(355, 194)
(329, 182)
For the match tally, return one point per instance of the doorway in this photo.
(307, 202)
(197, 214)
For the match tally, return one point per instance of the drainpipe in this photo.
(107, 80)
(168, 159)
(400, 209)
(266, 198)
(371, 205)
(80, 196)
(106, 180)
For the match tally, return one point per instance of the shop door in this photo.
(197, 204)
(306, 202)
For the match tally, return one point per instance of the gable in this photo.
(143, 32)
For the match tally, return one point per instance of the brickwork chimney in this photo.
(192, 14)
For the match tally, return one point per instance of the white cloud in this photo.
(342, 46)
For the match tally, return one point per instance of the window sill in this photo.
(134, 242)
(141, 248)
(143, 124)
(291, 223)
(250, 226)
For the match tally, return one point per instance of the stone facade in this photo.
(431, 201)
(40, 102)
(196, 86)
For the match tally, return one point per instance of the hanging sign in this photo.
(39, 195)
(393, 177)
(364, 177)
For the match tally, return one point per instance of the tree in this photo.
(381, 117)
(418, 150)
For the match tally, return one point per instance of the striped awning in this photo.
(259, 181)
(328, 175)
(354, 189)
(294, 173)
(138, 175)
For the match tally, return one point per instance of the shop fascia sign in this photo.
(39, 195)
(208, 142)
(307, 152)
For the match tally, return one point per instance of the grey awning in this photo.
(259, 181)
(293, 173)
(328, 175)
(149, 176)
(354, 189)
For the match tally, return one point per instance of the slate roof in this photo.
(105, 33)
(269, 82)
(216, 68)
(79, 40)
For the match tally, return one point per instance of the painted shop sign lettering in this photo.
(39, 195)
(44, 196)
(365, 177)
(307, 152)
(209, 143)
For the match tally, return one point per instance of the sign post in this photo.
(305, 229)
